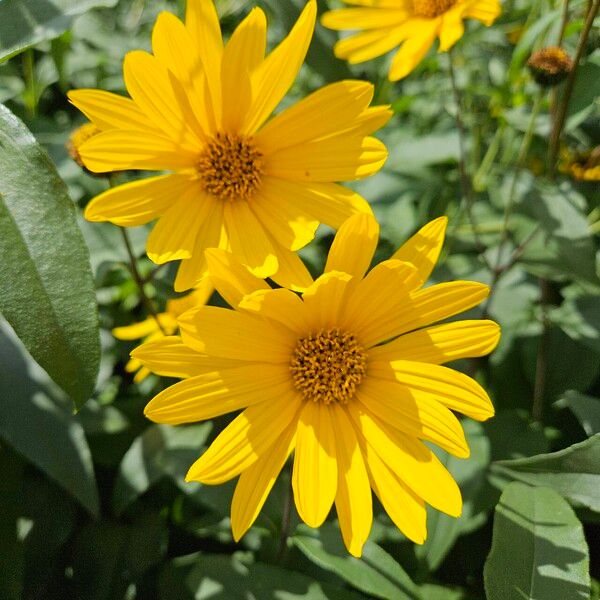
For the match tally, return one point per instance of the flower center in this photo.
(432, 8)
(328, 366)
(230, 167)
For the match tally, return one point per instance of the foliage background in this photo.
(93, 504)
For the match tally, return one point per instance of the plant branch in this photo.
(286, 520)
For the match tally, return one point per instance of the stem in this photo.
(570, 84)
(30, 85)
(465, 182)
(139, 281)
(286, 520)
(563, 22)
(541, 368)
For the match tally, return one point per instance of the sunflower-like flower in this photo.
(238, 181)
(347, 375)
(163, 324)
(413, 25)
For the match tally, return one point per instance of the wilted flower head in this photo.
(549, 66)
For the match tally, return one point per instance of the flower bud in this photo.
(549, 66)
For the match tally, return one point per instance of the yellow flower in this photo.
(149, 330)
(411, 24)
(348, 375)
(583, 165)
(238, 181)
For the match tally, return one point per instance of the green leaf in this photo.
(585, 408)
(37, 424)
(24, 23)
(375, 573)
(579, 318)
(46, 286)
(573, 472)
(538, 549)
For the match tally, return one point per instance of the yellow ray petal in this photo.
(248, 239)
(141, 375)
(232, 280)
(314, 478)
(396, 406)
(325, 112)
(281, 305)
(423, 249)
(161, 96)
(410, 460)
(328, 160)
(353, 497)
(231, 334)
(246, 439)
(198, 297)
(220, 392)
(370, 44)
(452, 28)
(170, 357)
(371, 311)
(486, 11)
(363, 18)
(256, 482)
(175, 234)
(354, 245)
(291, 272)
(243, 54)
(138, 202)
(120, 150)
(328, 203)
(412, 51)
(325, 299)
(453, 389)
(404, 507)
(137, 331)
(442, 343)
(275, 76)
(110, 111)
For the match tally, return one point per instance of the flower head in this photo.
(200, 110)
(413, 25)
(163, 324)
(549, 66)
(347, 375)
(582, 165)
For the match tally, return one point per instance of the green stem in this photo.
(286, 521)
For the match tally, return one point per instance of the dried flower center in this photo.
(432, 8)
(328, 366)
(230, 167)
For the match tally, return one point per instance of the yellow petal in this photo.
(412, 51)
(275, 76)
(246, 439)
(327, 111)
(161, 96)
(453, 389)
(373, 306)
(370, 44)
(231, 334)
(121, 150)
(280, 305)
(314, 478)
(486, 11)
(243, 54)
(404, 507)
(256, 482)
(410, 460)
(409, 413)
(325, 299)
(170, 357)
(340, 158)
(141, 375)
(138, 202)
(423, 249)
(328, 203)
(137, 331)
(353, 497)
(232, 280)
(198, 297)
(248, 239)
(220, 392)
(452, 28)
(442, 343)
(110, 111)
(354, 246)
(363, 18)
(291, 272)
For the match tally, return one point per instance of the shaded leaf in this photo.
(585, 408)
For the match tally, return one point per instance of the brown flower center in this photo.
(328, 366)
(230, 167)
(432, 8)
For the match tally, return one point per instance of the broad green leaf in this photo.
(442, 530)
(160, 451)
(538, 549)
(46, 286)
(573, 472)
(36, 423)
(24, 23)
(585, 408)
(579, 318)
(375, 573)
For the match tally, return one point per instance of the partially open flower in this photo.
(584, 166)
(549, 66)
(78, 138)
